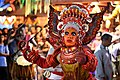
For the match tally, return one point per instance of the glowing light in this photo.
(9, 9)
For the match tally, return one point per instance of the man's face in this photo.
(26, 29)
(108, 42)
(117, 32)
(2, 38)
(70, 37)
(33, 31)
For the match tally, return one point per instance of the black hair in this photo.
(100, 33)
(38, 27)
(1, 37)
(106, 37)
(3, 30)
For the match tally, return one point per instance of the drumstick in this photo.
(23, 46)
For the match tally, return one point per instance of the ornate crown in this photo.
(77, 16)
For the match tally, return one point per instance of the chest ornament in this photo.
(68, 55)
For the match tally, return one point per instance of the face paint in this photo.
(70, 36)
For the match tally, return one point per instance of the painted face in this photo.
(70, 37)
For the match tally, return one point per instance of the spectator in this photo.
(4, 52)
(104, 68)
(13, 49)
(115, 55)
(45, 31)
(42, 44)
(33, 33)
(38, 29)
(115, 51)
(33, 30)
(117, 30)
(27, 29)
(5, 31)
(0, 31)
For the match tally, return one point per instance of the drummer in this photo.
(24, 69)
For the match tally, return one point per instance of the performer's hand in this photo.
(81, 58)
(31, 56)
(22, 45)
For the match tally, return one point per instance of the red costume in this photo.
(75, 29)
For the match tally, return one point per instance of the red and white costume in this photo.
(76, 30)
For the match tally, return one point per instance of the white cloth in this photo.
(57, 68)
(114, 50)
(55, 77)
(51, 50)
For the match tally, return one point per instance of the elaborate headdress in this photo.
(79, 18)
(76, 17)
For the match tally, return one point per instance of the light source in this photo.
(9, 9)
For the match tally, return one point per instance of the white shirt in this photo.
(114, 50)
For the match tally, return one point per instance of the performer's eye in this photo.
(66, 33)
(73, 33)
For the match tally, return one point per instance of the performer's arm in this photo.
(91, 60)
(34, 57)
(50, 61)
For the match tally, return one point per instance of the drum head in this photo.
(22, 61)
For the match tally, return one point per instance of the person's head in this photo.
(20, 34)
(1, 31)
(5, 30)
(78, 22)
(38, 28)
(117, 30)
(38, 37)
(15, 25)
(26, 29)
(70, 36)
(98, 35)
(2, 38)
(106, 39)
(33, 31)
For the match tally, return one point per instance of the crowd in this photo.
(105, 46)
(36, 35)
(13, 66)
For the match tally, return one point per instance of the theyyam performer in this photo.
(75, 29)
